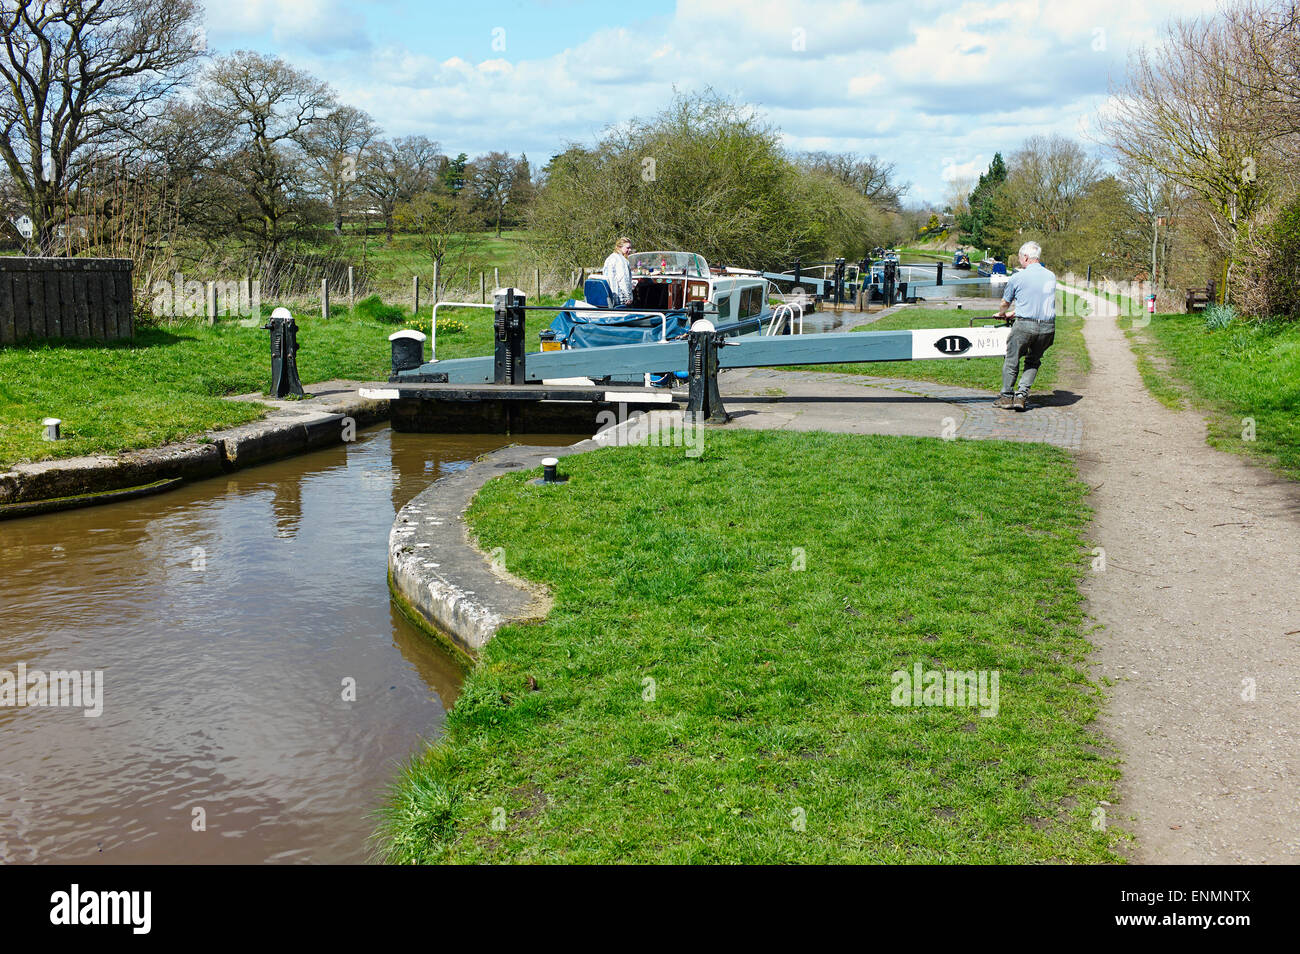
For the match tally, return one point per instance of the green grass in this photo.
(697, 695)
(1246, 370)
(169, 383)
(1066, 359)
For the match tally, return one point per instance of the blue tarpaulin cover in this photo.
(578, 330)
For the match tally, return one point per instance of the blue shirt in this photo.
(1033, 291)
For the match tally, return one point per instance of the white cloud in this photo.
(936, 86)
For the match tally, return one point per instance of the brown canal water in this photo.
(228, 617)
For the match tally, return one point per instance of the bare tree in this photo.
(270, 110)
(397, 171)
(869, 175)
(81, 73)
(335, 150)
(491, 180)
(1048, 181)
(1188, 113)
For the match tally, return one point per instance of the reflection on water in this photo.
(229, 618)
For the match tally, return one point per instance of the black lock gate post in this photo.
(284, 354)
(508, 324)
(704, 401)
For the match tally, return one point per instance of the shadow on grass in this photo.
(146, 337)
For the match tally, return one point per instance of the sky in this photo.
(933, 87)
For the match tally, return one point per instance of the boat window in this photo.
(751, 301)
(724, 305)
(697, 291)
(668, 263)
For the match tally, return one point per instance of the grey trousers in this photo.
(1028, 339)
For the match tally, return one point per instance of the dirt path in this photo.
(1199, 593)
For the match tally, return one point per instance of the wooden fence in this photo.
(65, 298)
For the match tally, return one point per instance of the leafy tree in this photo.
(445, 226)
(705, 175)
(981, 213)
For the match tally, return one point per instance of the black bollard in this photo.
(704, 401)
(508, 323)
(408, 349)
(284, 354)
(938, 274)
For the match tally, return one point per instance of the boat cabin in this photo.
(668, 281)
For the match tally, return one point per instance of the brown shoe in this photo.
(1004, 402)
(1019, 402)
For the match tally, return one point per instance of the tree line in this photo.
(122, 131)
(1204, 136)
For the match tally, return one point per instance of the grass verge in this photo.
(1246, 377)
(697, 696)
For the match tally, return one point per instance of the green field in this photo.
(1063, 363)
(695, 696)
(1245, 377)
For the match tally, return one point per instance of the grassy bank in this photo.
(697, 696)
(169, 383)
(1065, 360)
(1238, 375)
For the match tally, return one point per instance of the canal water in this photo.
(925, 272)
(257, 681)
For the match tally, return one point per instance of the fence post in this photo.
(482, 287)
(437, 280)
(352, 293)
(324, 297)
(496, 278)
(537, 282)
(415, 295)
(212, 302)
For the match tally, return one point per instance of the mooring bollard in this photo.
(51, 432)
(408, 349)
(284, 354)
(549, 473)
(508, 326)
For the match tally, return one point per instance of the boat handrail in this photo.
(783, 312)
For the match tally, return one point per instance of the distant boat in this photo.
(993, 270)
(960, 260)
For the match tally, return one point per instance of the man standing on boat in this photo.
(618, 272)
(1030, 297)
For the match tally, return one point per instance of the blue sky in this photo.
(935, 87)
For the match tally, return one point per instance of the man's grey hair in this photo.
(1031, 250)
